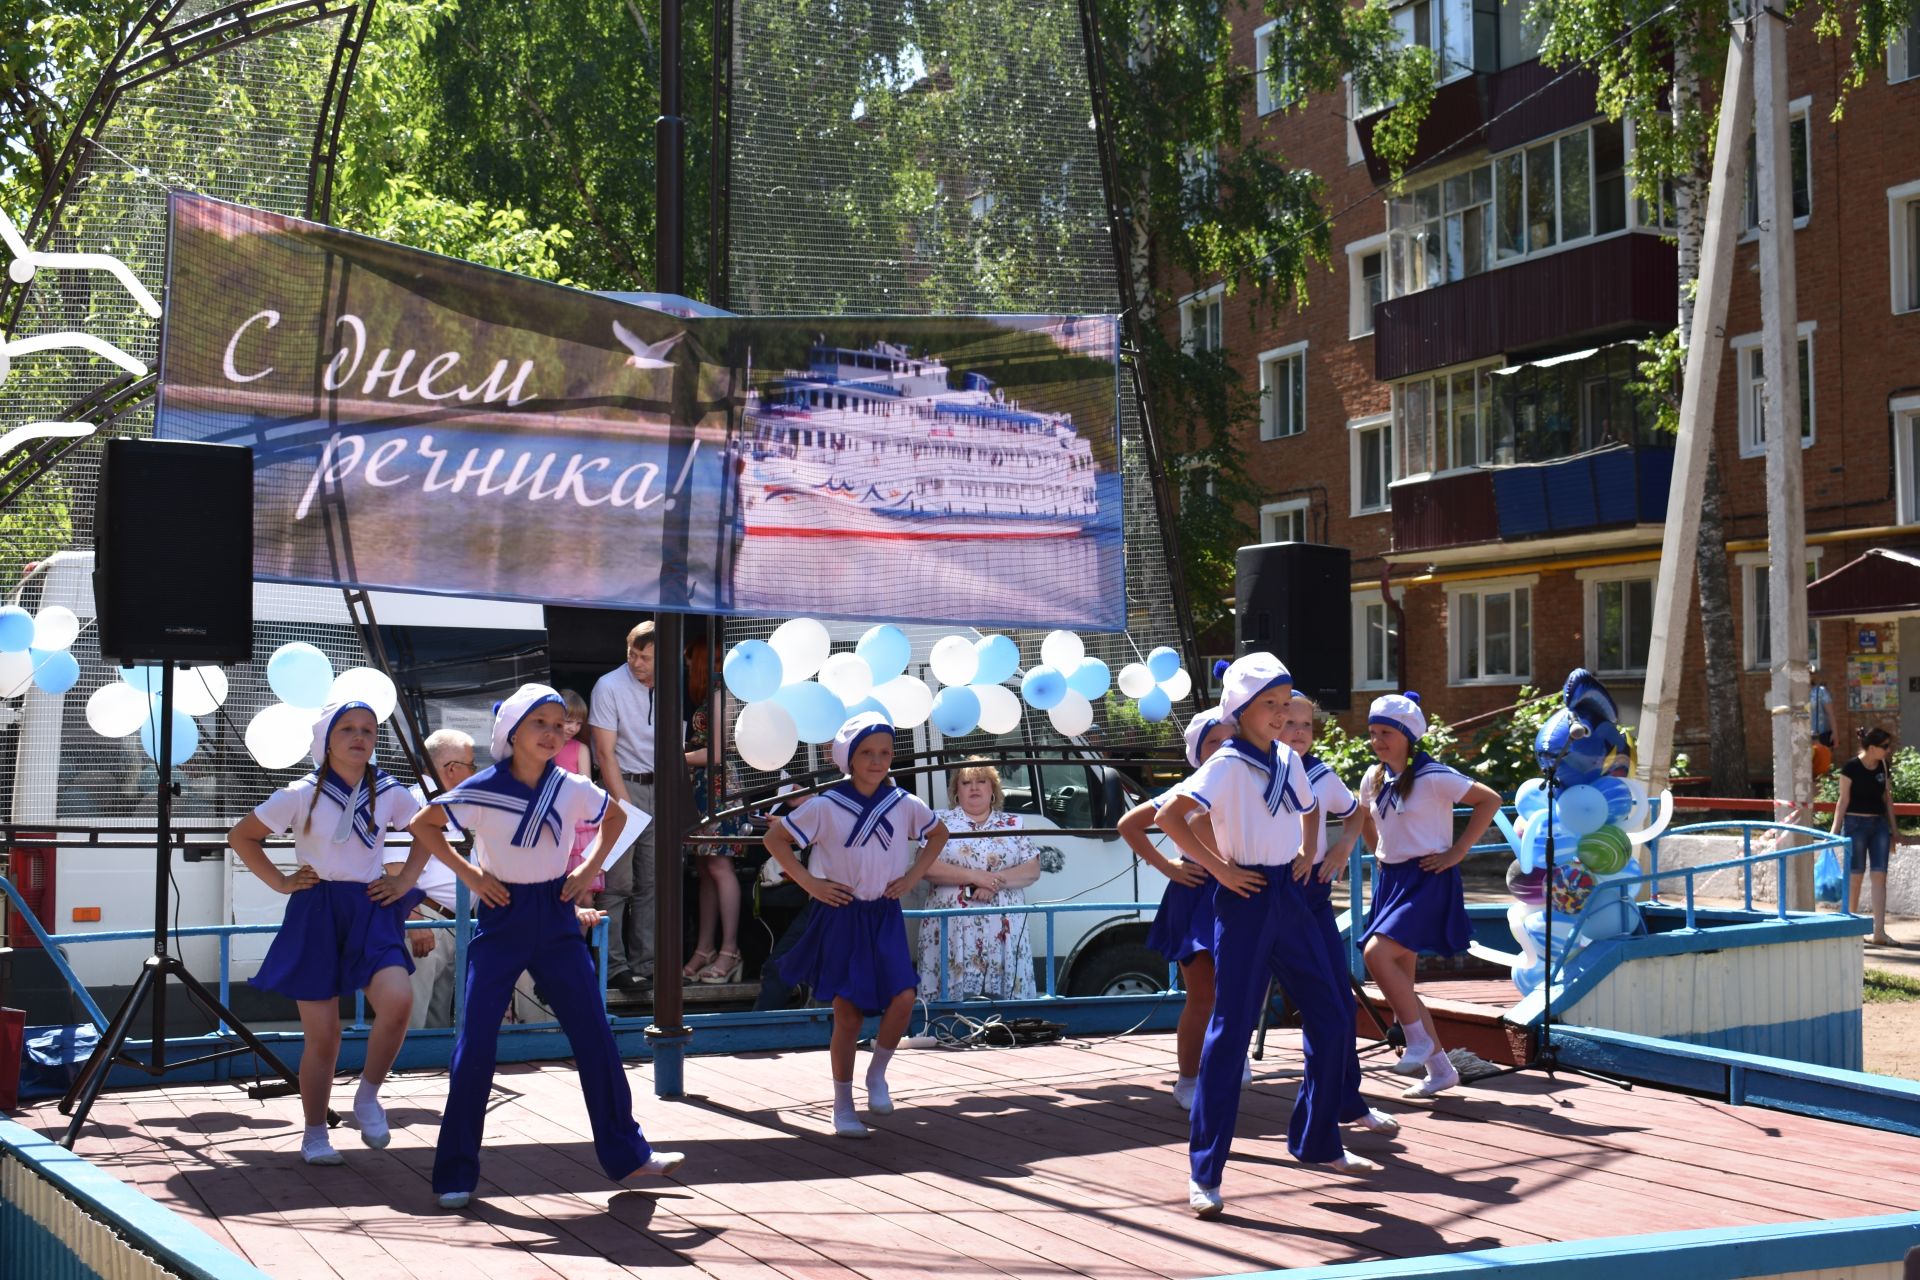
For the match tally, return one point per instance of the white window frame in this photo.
(1799, 110)
(1902, 53)
(1359, 314)
(1215, 295)
(1293, 354)
(1906, 459)
(1903, 247)
(1271, 513)
(1480, 590)
(1358, 429)
(1750, 445)
(1363, 601)
(1263, 97)
(1748, 563)
(1592, 580)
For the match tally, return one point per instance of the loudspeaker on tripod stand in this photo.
(1292, 599)
(173, 552)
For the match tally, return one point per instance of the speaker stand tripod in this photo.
(151, 983)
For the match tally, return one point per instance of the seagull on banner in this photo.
(646, 355)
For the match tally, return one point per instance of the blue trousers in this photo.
(1269, 934)
(534, 933)
(1320, 905)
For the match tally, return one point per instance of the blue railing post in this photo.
(1746, 856)
(1690, 920)
(1050, 959)
(943, 955)
(1653, 869)
(226, 974)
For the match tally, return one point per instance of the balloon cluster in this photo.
(33, 650)
(1156, 684)
(1595, 814)
(302, 677)
(131, 704)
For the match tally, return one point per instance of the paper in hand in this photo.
(636, 823)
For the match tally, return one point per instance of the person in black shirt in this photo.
(1865, 813)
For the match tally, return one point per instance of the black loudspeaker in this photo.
(173, 552)
(1292, 599)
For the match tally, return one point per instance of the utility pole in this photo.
(1673, 592)
(1786, 497)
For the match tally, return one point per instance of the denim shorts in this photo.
(1872, 837)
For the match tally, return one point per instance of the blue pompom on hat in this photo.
(1247, 678)
(1220, 666)
(1199, 727)
(511, 711)
(1400, 711)
(856, 730)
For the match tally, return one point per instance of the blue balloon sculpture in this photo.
(956, 711)
(753, 671)
(1043, 687)
(999, 659)
(887, 650)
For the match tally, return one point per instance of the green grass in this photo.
(1889, 988)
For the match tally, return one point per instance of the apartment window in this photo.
(1199, 181)
(1903, 54)
(1802, 172)
(1270, 92)
(1757, 610)
(1413, 424)
(1903, 238)
(1284, 521)
(1440, 232)
(1492, 633)
(1372, 463)
(1376, 643)
(1366, 283)
(1609, 178)
(1619, 622)
(1447, 421)
(1200, 320)
(1445, 27)
(1283, 392)
(1753, 390)
(1906, 460)
(1563, 189)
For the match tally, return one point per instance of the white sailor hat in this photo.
(1400, 711)
(1247, 678)
(323, 727)
(516, 708)
(1199, 727)
(854, 731)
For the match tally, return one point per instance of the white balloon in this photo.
(199, 691)
(117, 709)
(1179, 687)
(803, 645)
(55, 627)
(1636, 816)
(1072, 715)
(280, 736)
(1062, 650)
(1663, 803)
(908, 701)
(765, 735)
(1134, 680)
(954, 660)
(847, 677)
(999, 708)
(365, 684)
(16, 674)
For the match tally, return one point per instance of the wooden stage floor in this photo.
(1050, 1161)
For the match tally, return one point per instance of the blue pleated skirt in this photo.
(1420, 910)
(1183, 926)
(333, 939)
(856, 953)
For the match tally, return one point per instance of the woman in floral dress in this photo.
(988, 956)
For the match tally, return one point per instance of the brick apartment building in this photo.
(1451, 405)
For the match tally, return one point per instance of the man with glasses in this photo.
(451, 754)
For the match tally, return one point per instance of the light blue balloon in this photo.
(144, 678)
(1043, 687)
(1091, 679)
(16, 629)
(300, 674)
(1155, 705)
(753, 671)
(186, 736)
(1581, 809)
(55, 673)
(1619, 797)
(1162, 663)
(816, 713)
(1530, 798)
(886, 650)
(999, 658)
(956, 711)
(867, 704)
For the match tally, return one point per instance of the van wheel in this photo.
(1124, 969)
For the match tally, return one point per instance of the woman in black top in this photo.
(1865, 813)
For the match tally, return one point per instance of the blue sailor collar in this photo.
(356, 802)
(538, 806)
(1276, 791)
(1388, 797)
(869, 812)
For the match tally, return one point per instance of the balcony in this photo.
(1469, 113)
(1623, 284)
(1613, 488)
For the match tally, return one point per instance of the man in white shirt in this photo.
(622, 724)
(451, 754)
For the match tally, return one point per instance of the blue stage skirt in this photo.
(856, 953)
(1183, 926)
(1420, 910)
(333, 940)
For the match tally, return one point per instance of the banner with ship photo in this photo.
(422, 424)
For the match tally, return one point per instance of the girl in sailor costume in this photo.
(1419, 904)
(1183, 926)
(1256, 792)
(346, 914)
(854, 952)
(522, 813)
(1333, 802)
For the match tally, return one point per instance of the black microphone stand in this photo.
(1545, 1056)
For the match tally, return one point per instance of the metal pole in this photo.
(162, 865)
(668, 1033)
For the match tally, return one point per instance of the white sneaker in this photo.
(372, 1119)
(1441, 1076)
(850, 1128)
(1377, 1122)
(662, 1163)
(1183, 1091)
(879, 1100)
(1204, 1201)
(320, 1151)
(1350, 1163)
(455, 1199)
(1246, 1073)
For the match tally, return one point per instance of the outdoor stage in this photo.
(1057, 1160)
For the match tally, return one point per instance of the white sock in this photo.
(843, 1112)
(1184, 1088)
(369, 1091)
(315, 1148)
(879, 1100)
(1419, 1047)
